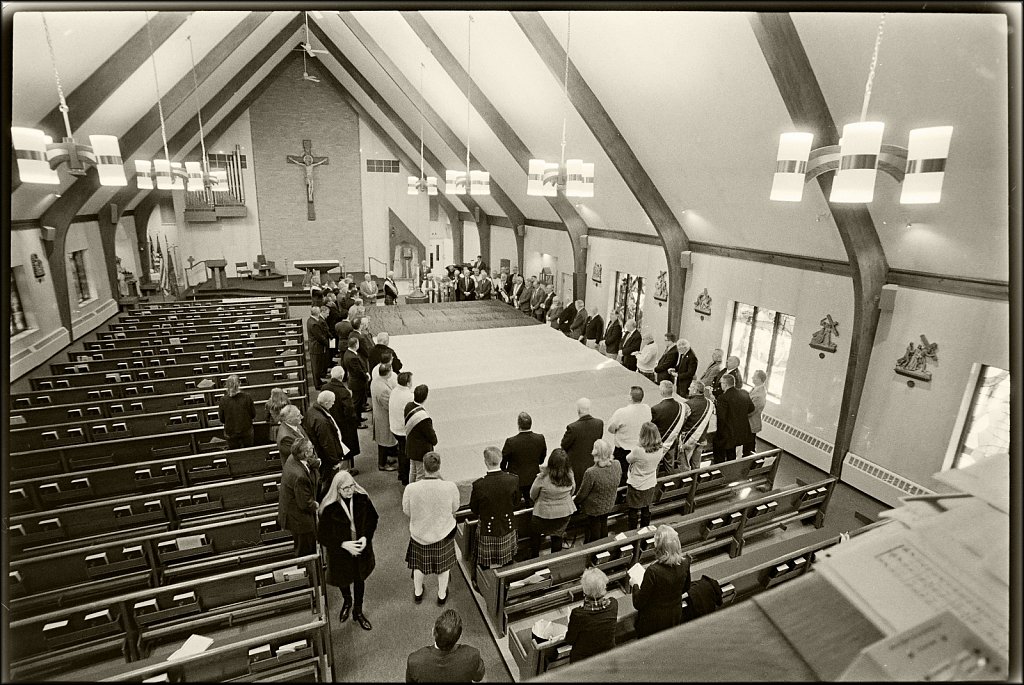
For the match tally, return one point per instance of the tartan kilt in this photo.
(434, 558)
(496, 551)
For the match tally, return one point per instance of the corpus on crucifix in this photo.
(307, 161)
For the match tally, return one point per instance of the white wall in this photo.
(545, 241)
(45, 336)
(126, 245)
(100, 306)
(503, 246)
(634, 258)
(470, 241)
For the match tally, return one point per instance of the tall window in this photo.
(987, 429)
(761, 338)
(18, 321)
(79, 276)
(629, 294)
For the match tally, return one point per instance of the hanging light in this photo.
(574, 176)
(38, 156)
(166, 174)
(861, 154)
(199, 175)
(475, 182)
(423, 184)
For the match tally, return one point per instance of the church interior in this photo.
(829, 195)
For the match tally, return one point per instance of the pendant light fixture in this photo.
(168, 175)
(861, 154)
(575, 177)
(199, 175)
(38, 156)
(478, 182)
(423, 184)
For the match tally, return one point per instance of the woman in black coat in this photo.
(348, 521)
(659, 599)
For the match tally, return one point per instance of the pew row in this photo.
(88, 573)
(677, 493)
(169, 358)
(114, 408)
(189, 343)
(135, 632)
(72, 458)
(508, 596)
(231, 329)
(145, 316)
(293, 358)
(64, 393)
(203, 305)
(44, 493)
(739, 578)
(144, 352)
(125, 517)
(243, 321)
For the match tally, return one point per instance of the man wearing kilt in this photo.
(431, 503)
(494, 500)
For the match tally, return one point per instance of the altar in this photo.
(311, 265)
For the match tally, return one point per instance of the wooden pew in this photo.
(203, 305)
(72, 458)
(739, 578)
(112, 409)
(135, 315)
(84, 574)
(222, 350)
(241, 322)
(125, 517)
(199, 332)
(64, 393)
(139, 630)
(678, 493)
(47, 492)
(190, 343)
(86, 378)
(148, 361)
(700, 534)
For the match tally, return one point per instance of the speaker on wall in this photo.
(684, 259)
(521, 230)
(584, 241)
(887, 300)
(48, 233)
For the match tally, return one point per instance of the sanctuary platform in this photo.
(249, 287)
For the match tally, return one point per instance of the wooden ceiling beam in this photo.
(787, 60)
(597, 119)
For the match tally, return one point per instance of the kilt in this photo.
(638, 499)
(434, 558)
(496, 551)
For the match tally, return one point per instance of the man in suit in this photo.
(578, 327)
(594, 330)
(296, 502)
(478, 263)
(332, 314)
(445, 661)
(758, 397)
(420, 437)
(686, 367)
(344, 413)
(378, 350)
(669, 359)
(390, 289)
(545, 306)
(710, 373)
(567, 316)
(342, 330)
(483, 286)
(358, 376)
(579, 438)
(731, 368)
(368, 290)
(666, 413)
(613, 336)
(319, 340)
(523, 454)
(695, 424)
(366, 342)
(537, 301)
(631, 340)
(325, 434)
(466, 286)
(525, 297)
(510, 280)
(733, 407)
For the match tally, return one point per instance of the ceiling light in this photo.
(166, 174)
(423, 184)
(474, 181)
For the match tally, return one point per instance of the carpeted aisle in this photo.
(446, 317)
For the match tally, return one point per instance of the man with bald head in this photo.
(578, 441)
(708, 377)
(382, 341)
(325, 434)
(732, 365)
(686, 367)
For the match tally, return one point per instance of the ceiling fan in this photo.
(307, 46)
(305, 74)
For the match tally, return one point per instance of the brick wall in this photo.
(289, 110)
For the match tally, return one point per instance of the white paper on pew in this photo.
(636, 574)
(621, 536)
(549, 630)
(195, 644)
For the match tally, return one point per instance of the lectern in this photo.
(216, 267)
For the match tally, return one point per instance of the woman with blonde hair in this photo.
(596, 496)
(642, 476)
(278, 401)
(658, 600)
(592, 626)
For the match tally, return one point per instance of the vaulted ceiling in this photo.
(691, 94)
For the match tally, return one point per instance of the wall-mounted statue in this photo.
(703, 304)
(822, 340)
(596, 275)
(914, 361)
(37, 267)
(661, 288)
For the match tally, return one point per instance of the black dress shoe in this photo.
(345, 609)
(417, 598)
(363, 622)
(442, 600)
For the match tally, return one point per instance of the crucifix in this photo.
(307, 161)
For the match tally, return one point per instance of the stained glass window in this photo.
(629, 294)
(762, 338)
(79, 276)
(987, 429)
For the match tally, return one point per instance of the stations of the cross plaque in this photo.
(307, 161)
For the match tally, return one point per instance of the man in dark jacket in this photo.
(344, 413)
(613, 336)
(669, 359)
(577, 329)
(445, 661)
(325, 434)
(525, 297)
(296, 502)
(580, 436)
(566, 318)
(630, 343)
(686, 367)
(236, 412)
(342, 330)
(523, 454)
(695, 425)
(319, 338)
(733, 407)
(594, 330)
(732, 364)
(494, 499)
(378, 350)
(466, 287)
(358, 376)
(420, 437)
(332, 313)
